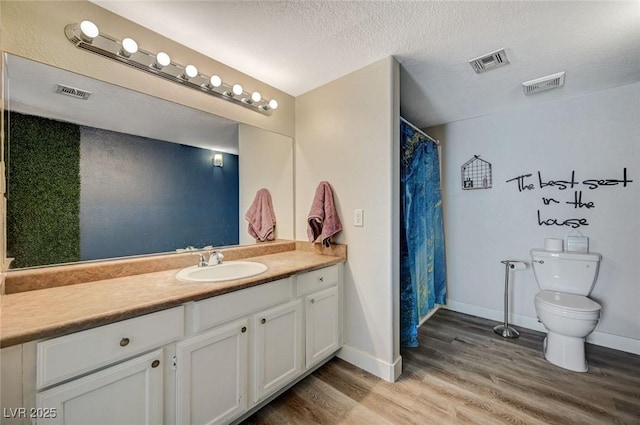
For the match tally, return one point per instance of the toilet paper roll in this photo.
(553, 244)
(517, 265)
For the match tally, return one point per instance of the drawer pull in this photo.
(155, 364)
(321, 279)
(124, 342)
(263, 321)
(244, 329)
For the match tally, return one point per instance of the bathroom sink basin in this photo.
(229, 270)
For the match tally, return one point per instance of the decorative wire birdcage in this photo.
(476, 174)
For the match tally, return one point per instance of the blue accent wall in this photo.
(142, 196)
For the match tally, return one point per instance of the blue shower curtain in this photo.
(422, 261)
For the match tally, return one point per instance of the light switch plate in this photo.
(358, 217)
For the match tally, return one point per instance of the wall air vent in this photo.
(543, 83)
(73, 92)
(489, 61)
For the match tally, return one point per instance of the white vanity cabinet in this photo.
(322, 325)
(211, 375)
(208, 362)
(112, 374)
(128, 393)
(278, 346)
(323, 313)
(213, 369)
(248, 345)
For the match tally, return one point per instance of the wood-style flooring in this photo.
(463, 373)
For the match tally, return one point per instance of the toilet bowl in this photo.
(562, 305)
(568, 319)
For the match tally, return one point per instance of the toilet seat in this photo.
(568, 305)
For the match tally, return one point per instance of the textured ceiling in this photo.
(297, 46)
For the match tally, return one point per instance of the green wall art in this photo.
(43, 202)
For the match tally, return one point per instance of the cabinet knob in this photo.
(263, 321)
(313, 300)
(155, 363)
(321, 279)
(124, 342)
(244, 329)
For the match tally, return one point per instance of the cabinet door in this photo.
(128, 393)
(211, 375)
(278, 348)
(322, 325)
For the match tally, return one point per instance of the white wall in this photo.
(266, 161)
(597, 136)
(345, 133)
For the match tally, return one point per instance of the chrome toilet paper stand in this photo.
(505, 330)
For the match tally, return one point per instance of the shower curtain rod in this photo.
(436, 141)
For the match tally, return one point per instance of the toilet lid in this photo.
(568, 301)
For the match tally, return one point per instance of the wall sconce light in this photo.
(215, 82)
(190, 71)
(88, 31)
(162, 60)
(236, 90)
(217, 160)
(129, 47)
(255, 97)
(87, 36)
(272, 104)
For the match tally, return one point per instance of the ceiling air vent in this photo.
(543, 83)
(73, 92)
(489, 61)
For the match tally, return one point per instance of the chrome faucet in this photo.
(202, 262)
(215, 258)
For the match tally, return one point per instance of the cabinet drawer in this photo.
(71, 355)
(128, 393)
(220, 309)
(316, 280)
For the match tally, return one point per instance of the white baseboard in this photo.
(387, 371)
(630, 345)
(497, 315)
(617, 342)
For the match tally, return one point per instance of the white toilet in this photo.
(565, 280)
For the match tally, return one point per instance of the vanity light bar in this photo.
(87, 36)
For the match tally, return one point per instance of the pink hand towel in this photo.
(323, 218)
(261, 217)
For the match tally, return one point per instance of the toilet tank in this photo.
(570, 272)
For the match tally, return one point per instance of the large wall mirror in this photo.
(96, 171)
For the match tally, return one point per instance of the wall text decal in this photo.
(578, 202)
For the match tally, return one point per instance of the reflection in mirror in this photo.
(119, 173)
